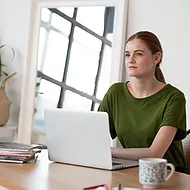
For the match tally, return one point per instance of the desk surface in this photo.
(46, 175)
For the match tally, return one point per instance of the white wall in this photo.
(14, 30)
(170, 21)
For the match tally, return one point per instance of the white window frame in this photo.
(30, 73)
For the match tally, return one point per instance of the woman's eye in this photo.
(127, 55)
(139, 54)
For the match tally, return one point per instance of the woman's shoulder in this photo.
(117, 86)
(174, 90)
(116, 89)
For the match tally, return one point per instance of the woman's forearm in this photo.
(134, 153)
(157, 149)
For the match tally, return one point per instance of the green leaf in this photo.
(37, 84)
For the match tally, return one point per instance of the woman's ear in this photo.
(157, 57)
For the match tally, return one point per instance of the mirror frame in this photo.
(29, 81)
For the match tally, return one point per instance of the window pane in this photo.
(92, 18)
(83, 63)
(55, 56)
(82, 68)
(109, 36)
(96, 105)
(41, 104)
(87, 40)
(104, 79)
(61, 24)
(74, 101)
(50, 91)
(41, 46)
(45, 15)
(67, 10)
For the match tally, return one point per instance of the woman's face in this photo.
(139, 61)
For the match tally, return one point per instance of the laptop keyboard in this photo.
(116, 163)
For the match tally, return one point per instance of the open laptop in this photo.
(81, 138)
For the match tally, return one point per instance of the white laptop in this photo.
(81, 138)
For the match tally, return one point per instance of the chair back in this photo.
(186, 147)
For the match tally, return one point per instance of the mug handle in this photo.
(172, 171)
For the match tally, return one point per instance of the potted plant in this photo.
(2, 72)
(4, 100)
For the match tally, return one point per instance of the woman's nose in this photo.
(131, 59)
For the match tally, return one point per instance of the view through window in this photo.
(74, 58)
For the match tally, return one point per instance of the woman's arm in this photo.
(158, 147)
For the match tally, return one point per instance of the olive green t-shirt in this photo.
(136, 121)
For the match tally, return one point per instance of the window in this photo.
(74, 57)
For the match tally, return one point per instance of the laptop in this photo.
(81, 138)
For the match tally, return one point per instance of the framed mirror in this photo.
(76, 50)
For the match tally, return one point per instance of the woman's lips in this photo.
(132, 67)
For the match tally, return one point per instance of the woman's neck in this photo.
(140, 88)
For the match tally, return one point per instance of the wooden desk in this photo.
(46, 175)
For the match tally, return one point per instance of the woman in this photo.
(147, 115)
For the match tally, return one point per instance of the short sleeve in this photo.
(106, 106)
(175, 115)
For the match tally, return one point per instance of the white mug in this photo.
(153, 172)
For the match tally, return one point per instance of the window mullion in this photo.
(98, 74)
(62, 93)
